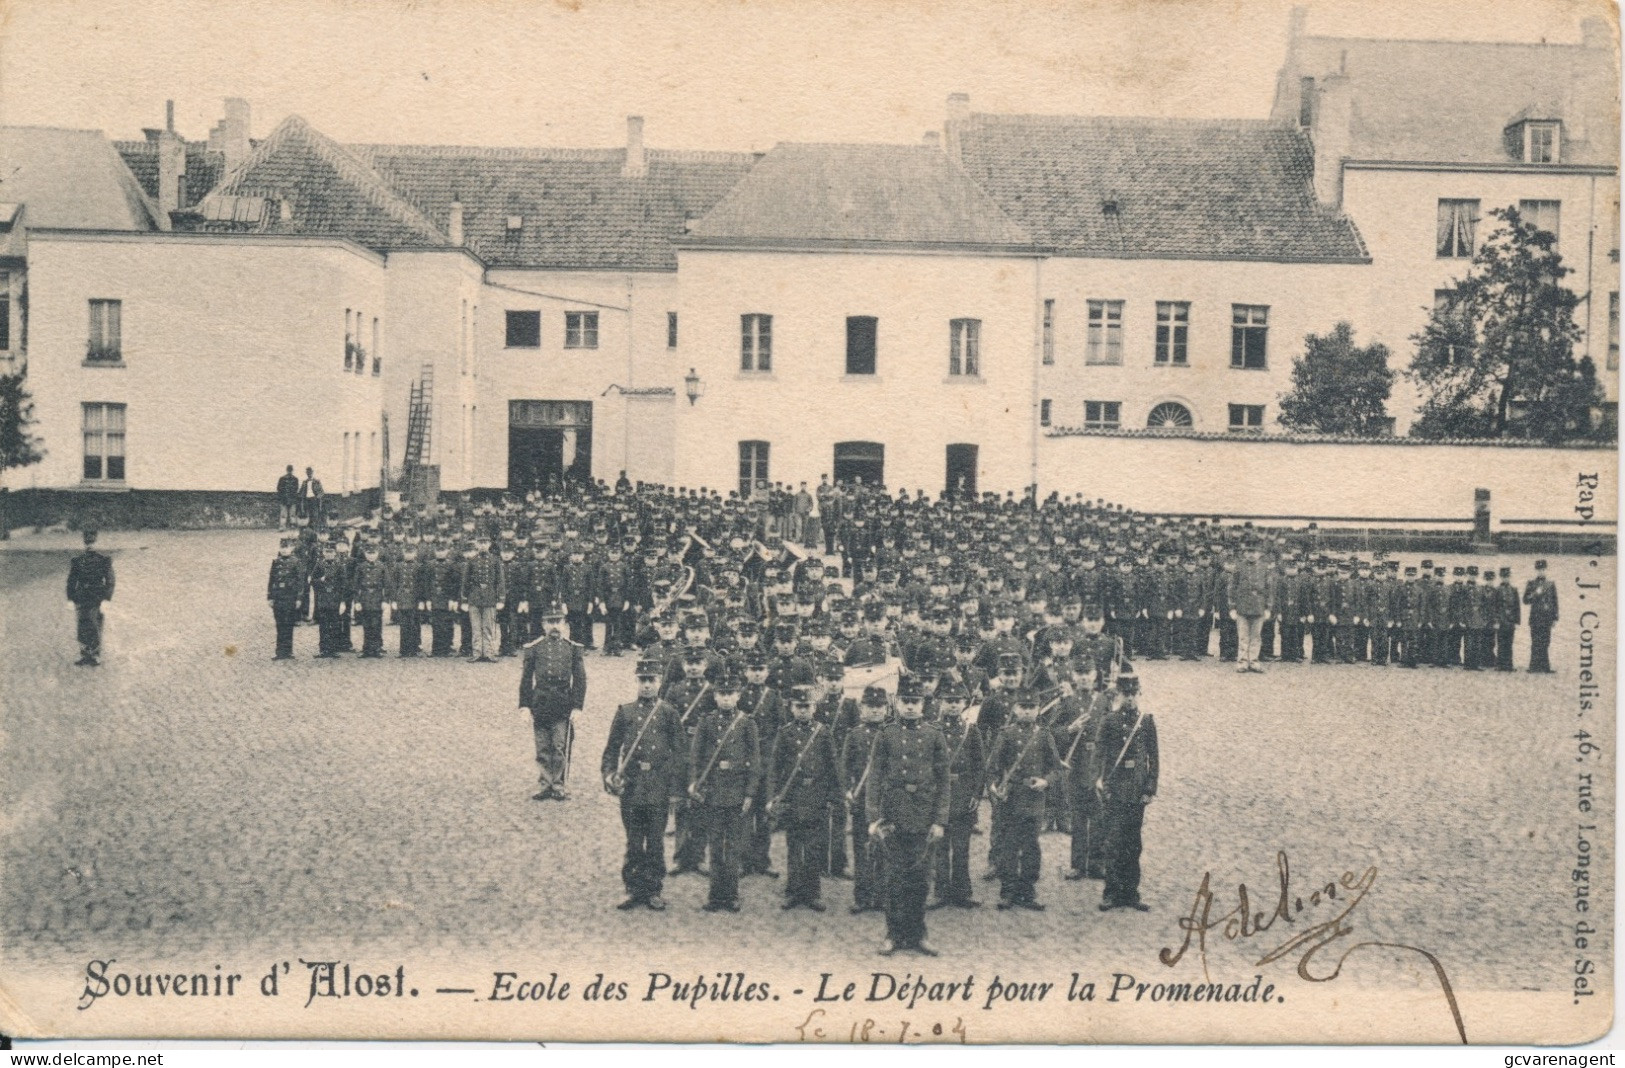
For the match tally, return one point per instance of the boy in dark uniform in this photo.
(1125, 774)
(724, 764)
(1023, 765)
(644, 764)
(909, 791)
(857, 764)
(966, 781)
(283, 590)
(803, 782)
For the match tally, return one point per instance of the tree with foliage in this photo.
(1339, 387)
(18, 446)
(1496, 358)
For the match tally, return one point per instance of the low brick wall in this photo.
(155, 509)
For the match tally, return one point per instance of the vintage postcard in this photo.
(809, 522)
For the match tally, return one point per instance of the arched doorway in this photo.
(860, 460)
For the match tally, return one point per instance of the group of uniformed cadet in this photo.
(1010, 627)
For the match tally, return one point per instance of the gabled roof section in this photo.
(313, 185)
(71, 179)
(1157, 188)
(204, 168)
(575, 209)
(860, 195)
(1450, 101)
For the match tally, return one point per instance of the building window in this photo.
(861, 335)
(1541, 142)
(581, 330)
(1173, 332)
(965, 347)
(671, 330)
(106, 329)
(1246, 419)
(1306, 102)
(1169, 415)
(524, 330)
(1458, 221)
(5, 311)
(377, 357)
(1457, 331)
(1043, 412)
(1105, 345)
(1541, 214)
(752, 466)
(360, 351)
(1613, 331)
(1102, 415)
(1249, 329)
(1049, 331)
(104, 442)
(756, 342)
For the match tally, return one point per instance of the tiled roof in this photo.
(859, 194)
(1450, 101)
(70, 178)
(204, 168)
(316, 186)
(574, 207)
(1181, 189)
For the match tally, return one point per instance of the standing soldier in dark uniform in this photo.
(691, 696)
(552, 687)
(1023, 765)
(369, 591)
(1126, 776)
(1508, 614)
(516, 575)
(286, 585)
(328, 586)
(966, 781)
(857, 766)
(1478, 615)
(90, 582)
(576, 590)
(909, 791)
(1541, 597)
(409, 596)
(765, 706)
(444, 591)
(1076, 739)
(724, 764)
(1412, 598)
(803, 782)
(1290, 590)
(644, 764)
(485, 593)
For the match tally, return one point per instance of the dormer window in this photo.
(1540, 141)
(1535, 140)
(515, 223)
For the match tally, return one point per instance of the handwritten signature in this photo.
(1242, 923)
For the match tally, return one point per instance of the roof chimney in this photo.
(1295, 22)
(230, 136)
(169, 115)
(454, 224)
(932, 139)
(636, 165)
(958, 115)
(171, 168)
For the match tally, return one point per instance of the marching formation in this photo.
(860, 676)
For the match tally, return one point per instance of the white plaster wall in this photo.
(807, 403)
(1302, 299)
(233, 357)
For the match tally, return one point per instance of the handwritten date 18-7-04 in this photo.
(1243, 924)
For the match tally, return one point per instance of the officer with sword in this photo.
(552, 688)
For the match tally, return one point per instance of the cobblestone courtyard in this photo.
(191, 794)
